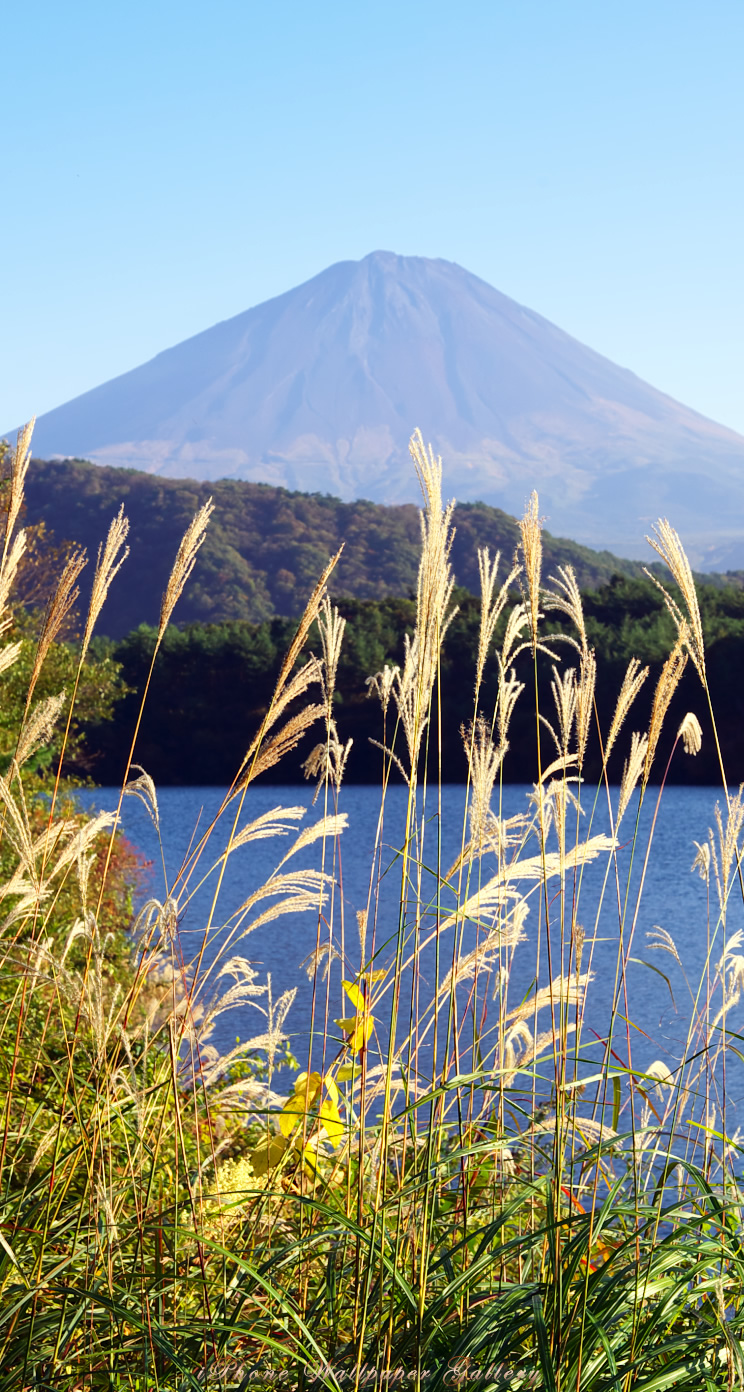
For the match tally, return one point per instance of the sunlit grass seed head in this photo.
(184, 563)
(669, 679)
(59, 611)
(565, 598)
(20, 459)
(484, 761)
(39, 727)
(111, 557)
(8, 573)
(331, 627)
(635, 676)
(382, 684)
(691, 734)
(492, 605)
(632, 771)
(666, 543)
(530, 528)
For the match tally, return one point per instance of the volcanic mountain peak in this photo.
(320, 388)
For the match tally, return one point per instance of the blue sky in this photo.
(168, 165)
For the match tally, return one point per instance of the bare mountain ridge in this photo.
(318, 390)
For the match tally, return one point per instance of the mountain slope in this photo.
(265, 547)
(320, 388)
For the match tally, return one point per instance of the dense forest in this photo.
(230, 668)
(266, 546)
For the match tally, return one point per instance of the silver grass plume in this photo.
(319, 961)
(632, 770)
(382, 684)
(327, 761)
(726, 854)
(8, 571)
(499, 891)
(702, 861)
(486, 955)
(184, 563)
(566, 598)
(560, 797)
(328, 827)
(275, 822)
(361, 918)
(273, 750)
(10, 653)
(109, 562)
(39, 727)
(331, 628)
(14, 544)
(666, 543)
(58, 611)
(562, 990)
(312, 609)
(492, 605)
(510, 689)
(530, 527)
(585, 701)
(514, 1062)
(564, 696)
(414, 686)
(671, 675)
(143, 788)
(18, 469)
(633, 680)
(661, 940)
(691, 734)
(484, 761)
(263, 753)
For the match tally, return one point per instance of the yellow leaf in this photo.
(355, 995)
(306, 1090)
(331, 1120)
(361, 1035)
(349, 1024)
(268, 1154)
(310, 1159)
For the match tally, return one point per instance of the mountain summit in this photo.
(320, 388)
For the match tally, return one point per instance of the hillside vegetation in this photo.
(266, 546)
(232, 667)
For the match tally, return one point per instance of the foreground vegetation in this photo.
(461, 1183)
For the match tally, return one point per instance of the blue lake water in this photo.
(674, 899)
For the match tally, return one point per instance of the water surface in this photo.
(674, 898)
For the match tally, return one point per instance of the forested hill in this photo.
(265, 546)
(212, 684)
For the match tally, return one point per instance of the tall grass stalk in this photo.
(469, 1178)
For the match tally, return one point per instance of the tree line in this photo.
(212, 683)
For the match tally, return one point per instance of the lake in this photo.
(674, 899)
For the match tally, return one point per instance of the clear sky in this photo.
(167, 165)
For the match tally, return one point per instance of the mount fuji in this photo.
(320, 388)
